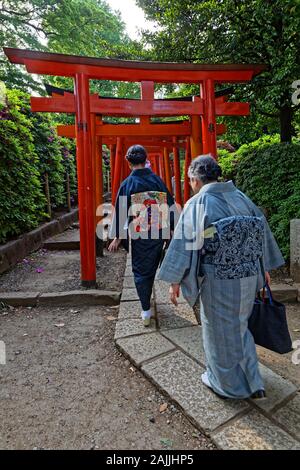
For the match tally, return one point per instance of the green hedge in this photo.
(29, 147)
(269, 173)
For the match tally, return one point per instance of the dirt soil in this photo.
(66, 386)
(57, 271)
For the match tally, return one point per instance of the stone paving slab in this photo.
(129, 282)
(162, 296)
(132, 327)
(128, 271)
(180, 377)
(289, 416)
(277, 389)
(144, 347)
(254, 432)
(130, 310)
(129, 294)
(16, 299)
(170, 317)
(189, 339)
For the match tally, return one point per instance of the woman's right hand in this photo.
(114, 245)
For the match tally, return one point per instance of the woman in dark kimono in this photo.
(222, 250)
(141, 212)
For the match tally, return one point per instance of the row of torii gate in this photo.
(197, 135)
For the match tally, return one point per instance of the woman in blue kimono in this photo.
(142, 212)
(222, 250)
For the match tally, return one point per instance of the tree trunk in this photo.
(286, 126)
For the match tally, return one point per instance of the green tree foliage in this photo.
(268, 172)
(232, 31)
(82, 27)
(20, 26)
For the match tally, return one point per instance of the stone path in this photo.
(170, 354)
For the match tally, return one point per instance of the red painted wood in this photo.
(112, 150)
(85, 181)
(123, 108)
(177, 175)
(187, 162)
(45, 67)
(117, 170)
(210, 143)
(167, 168)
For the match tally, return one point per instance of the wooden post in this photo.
(167, 170)
(112, 153)
(177, 173)
(161, 167)
(209, 118)
(99, 191)
(117, 170)
(187, 162)
(196, 137)
(156, 164)
(47, 191)
(68, 192)
(85, 181)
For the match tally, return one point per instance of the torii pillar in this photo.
(85, 181)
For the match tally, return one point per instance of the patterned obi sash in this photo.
(234, 245)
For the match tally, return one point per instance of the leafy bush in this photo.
(30, 148)
(22, 200)
(228, 162)
(268, 172)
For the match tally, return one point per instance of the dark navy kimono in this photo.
(142, 214)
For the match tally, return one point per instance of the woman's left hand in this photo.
(174, 292)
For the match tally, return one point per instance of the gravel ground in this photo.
(66, 386)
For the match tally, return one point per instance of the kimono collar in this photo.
(217, 187)
(141, 172)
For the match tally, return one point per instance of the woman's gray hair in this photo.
(205, 169)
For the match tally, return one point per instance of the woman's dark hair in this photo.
(136, 154)
(205, 168)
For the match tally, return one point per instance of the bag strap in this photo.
(270, 295)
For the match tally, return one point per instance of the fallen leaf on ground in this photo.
(110, 318)
(163, 407)
(59, 325)
(166, 442)
(296, 331)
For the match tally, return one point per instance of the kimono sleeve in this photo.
(120, 216)
(183, 249)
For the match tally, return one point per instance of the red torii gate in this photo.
(63, 100)
(82, 69)
(121, 136)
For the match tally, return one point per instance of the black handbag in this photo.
(268, 324)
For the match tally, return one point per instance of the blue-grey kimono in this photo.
(221, 247)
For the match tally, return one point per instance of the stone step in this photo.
(67, 298)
